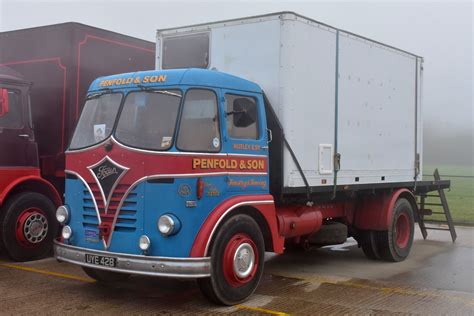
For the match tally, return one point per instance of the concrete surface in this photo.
(437, 278)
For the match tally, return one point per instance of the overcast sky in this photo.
(441, 32)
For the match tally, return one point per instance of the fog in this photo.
(441, 32)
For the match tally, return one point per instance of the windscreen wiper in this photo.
(154, 90)
(98, 94)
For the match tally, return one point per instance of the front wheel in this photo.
(237, 258)
(395, 243)
(28, 226)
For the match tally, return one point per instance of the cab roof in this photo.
(173, 77)
(12, 76)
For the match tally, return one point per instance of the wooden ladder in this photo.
(422, 212)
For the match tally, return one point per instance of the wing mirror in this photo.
(4, 106)
(244, 112)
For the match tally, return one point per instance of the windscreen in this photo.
(148, 119)
(97, 120)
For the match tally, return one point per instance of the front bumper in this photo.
(137, 264)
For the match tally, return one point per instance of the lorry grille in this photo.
(126, 220)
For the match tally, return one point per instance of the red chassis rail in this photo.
(372, 212)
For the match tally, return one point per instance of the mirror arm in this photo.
(235, 112)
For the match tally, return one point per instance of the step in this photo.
(425, 212)
(433, 204)
(436, 221)
(437, 228)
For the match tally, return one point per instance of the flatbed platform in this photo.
(418, 187)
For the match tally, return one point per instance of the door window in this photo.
(199, 127)
(13, 118)
(241, 117)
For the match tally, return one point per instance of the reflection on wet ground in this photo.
(437, 278)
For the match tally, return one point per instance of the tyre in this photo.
(105, 276)
(28, 226)
(237, 258)
(395, 244)
(368, 243)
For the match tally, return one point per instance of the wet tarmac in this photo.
(437, 278)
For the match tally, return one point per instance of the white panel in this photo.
(249, 51)
(376, 113)
(308, 61)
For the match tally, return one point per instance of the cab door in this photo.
(245, 139)
(17, 145)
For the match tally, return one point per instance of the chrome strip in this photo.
(137, 264)
(88, 189)
(107, 201)
(182, 153)
(227, 212)
(92, 196)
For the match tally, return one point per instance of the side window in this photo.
(241, 117)
(199, 127)
(12, 118)
(186, 51)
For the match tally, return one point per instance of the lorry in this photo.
(44, 76)
(252, 135)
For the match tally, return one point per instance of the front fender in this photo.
(263, 203)
(28, 179)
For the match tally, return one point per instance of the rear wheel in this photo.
(395, 244)
(237, 258)
(105, 276)
(368, 242)
(28, 226)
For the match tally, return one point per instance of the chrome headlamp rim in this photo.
(166, 224)
(62, 214)
(66, 232)
(144, 242)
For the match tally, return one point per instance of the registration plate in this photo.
(100, 260)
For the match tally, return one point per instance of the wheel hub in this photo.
(244, 260)
(32, 227)
(402, 231)
(240, 260)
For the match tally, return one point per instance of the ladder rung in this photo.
(436, 228)
(432, 195)
(439, 213)
(425, 212)
(436, 221)
(433, 204)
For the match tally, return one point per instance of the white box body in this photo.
(331, 90)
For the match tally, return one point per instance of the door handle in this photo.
(24, 135)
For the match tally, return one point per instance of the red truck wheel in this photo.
(368, 242)
(395, 244)
(237, 258)
(28, 226)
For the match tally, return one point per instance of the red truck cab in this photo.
(28, 224)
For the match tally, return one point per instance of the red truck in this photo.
(44, 75)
